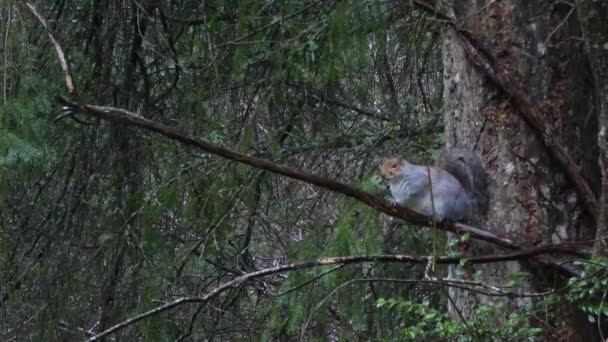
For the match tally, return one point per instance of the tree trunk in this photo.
(532, 200)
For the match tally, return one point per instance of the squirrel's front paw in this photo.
(393, 202)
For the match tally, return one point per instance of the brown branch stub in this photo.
(67, 71)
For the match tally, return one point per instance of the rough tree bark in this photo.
(532, 201)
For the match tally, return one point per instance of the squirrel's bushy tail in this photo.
(468, 169)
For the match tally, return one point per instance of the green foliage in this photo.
(356, 232)
(373, 185)
(154, 329)
(24, 122)
(422, 322)
(590, 292)
(100, 222)
(17, 150)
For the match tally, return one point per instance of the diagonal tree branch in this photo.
(128, 118)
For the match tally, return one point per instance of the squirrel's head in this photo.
(391, 168)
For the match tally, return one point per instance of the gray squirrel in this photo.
(459, 183)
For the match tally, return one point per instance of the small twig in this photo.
(315, 278)
(26, 322)
(544, 46)
(274, 21)
(472, 331)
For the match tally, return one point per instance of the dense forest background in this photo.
(111, 226)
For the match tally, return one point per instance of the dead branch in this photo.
(67, 71)
(239, 281)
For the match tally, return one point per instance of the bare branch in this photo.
(238, 281)
(67, 71)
